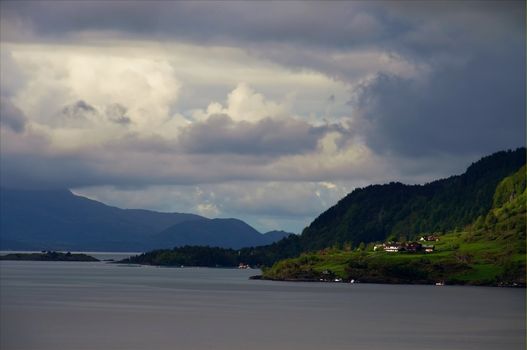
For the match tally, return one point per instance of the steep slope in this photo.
(507, 218)
(401, 211)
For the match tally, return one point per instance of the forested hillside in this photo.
(398, 211)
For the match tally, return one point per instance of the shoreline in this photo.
(312, 280)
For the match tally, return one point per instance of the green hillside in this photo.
(490, 251)
(397, 211)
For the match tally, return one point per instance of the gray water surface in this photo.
(70, 305)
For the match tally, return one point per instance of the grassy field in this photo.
(459, 258)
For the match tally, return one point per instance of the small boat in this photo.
(440, 283)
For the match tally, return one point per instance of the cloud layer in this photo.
(264, 111)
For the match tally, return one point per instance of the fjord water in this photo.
(70, 305)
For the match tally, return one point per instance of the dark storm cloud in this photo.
(11, 116)
(472, 107)
(268, 137)
(117, 114)
(153, 144)
(78, 110)
(472, 101)
(81, 114)
(305, 22)
(133, 168)
(469, 101)
(33, 171)
(393, 24)
(12, 77)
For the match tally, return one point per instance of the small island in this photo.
(49, 256)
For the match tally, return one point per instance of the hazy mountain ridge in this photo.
(60, 220)
(234, 234)
(276, 235)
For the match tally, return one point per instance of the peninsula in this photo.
(49, 256)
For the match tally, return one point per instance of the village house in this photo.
(393, 247)
(378, 247)
(429, 238)
(410, 247)
(413, 247)
(428, 248)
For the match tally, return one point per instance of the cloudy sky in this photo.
(265, 111)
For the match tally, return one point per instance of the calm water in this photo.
(58, 305)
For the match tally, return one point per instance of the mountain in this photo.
(60, 220)
(225, 233)
(489, 251)
(398, 211)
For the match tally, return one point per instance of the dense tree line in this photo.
(220, 257)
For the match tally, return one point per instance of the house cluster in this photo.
(411, 247)
(429, 238)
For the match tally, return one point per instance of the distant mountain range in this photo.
(60, 220)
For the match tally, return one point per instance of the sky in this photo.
(269, 112)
